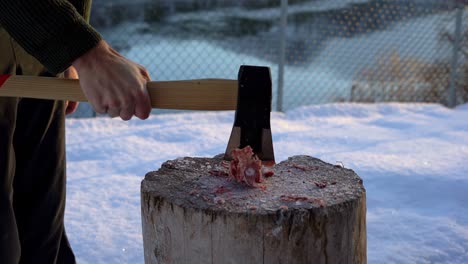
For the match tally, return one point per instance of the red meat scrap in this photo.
(247, 167)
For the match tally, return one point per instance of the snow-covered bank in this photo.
(412, 158)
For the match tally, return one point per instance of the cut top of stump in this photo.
(301, 182)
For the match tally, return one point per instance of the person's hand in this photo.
(113, 84)
(70, 106)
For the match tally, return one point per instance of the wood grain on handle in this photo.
(203, 94)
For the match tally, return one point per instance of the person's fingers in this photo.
(71, 107)
(113, 112)
(127, 112)
(99, 109)
(94, 98)
(71, 73)
(143, 104)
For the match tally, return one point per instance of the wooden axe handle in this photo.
(203, 94)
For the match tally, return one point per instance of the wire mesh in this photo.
(335, 50)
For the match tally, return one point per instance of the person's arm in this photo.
(56, 34)
(53, 31)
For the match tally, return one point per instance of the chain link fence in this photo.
(319, 51)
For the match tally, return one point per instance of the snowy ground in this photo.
(412, 157)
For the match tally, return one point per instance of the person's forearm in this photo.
(52, 31)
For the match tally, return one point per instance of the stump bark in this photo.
(308, 212)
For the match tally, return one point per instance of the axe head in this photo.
(252, 119)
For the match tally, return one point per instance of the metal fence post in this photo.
(456, 50)
(282, 54)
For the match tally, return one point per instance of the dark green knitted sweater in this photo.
(55, 32)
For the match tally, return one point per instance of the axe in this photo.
(250, 96)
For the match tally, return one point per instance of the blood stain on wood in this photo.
(321, 185)
(221, 189)
(218, 173)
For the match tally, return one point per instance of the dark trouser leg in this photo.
(32, 197)
(10, 249)
(32, 171)
(39, 183)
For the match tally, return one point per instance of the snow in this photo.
(412, 158)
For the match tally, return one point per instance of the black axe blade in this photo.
(252, 119)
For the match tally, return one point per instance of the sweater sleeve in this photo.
(53, 31)
(83, 7)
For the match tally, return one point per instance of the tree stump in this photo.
(308, 212)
